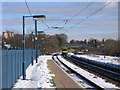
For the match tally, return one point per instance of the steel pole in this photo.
(104, 49)
(36, 39)
(32, 41)
(39, 46)
(23, 45)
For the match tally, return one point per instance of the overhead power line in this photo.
(81, 11)
(32, 15)
(66, 21)
(45, 24)
(90, 15)
(28, 8)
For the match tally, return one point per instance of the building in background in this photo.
(8, 34)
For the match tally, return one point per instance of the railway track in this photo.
(95, 86)
(112, 72)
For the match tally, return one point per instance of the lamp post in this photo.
(104, 47)
(23, 44)
(32, 41)
(36, 40)
(39, 33)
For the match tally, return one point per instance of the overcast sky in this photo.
(103, 24)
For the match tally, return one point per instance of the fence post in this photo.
(17, 64)
(12, 68)
(3, 71)
(0, 72)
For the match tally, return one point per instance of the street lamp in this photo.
(104, 47)
(39, 33)
(32, 41)
(23, 43)
(39, 16)
(36, 38)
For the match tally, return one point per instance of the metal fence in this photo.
(11, 61)
(0, 69)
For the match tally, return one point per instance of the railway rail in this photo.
(110, 72)
(95, 86)
(108, 66)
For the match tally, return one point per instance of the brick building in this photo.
(8, 34)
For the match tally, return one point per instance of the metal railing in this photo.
(11, 61)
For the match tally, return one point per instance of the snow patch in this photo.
(100, 58)
(37, 76)
(93, 78)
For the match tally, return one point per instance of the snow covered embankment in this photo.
(100, 58)
(37, 76)
(93, 78)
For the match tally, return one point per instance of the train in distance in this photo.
(64, 51)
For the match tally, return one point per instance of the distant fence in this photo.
(12, 66)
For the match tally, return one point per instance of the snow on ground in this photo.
(37, 76)
(100, 58)
(93, 78)
(76, 78)
(60, 64)
(80, 81)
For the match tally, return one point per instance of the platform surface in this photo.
(61, 79)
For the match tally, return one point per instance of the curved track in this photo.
(98, 68)
(86, 80)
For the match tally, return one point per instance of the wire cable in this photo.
(81, 11)
(45, 24)
(32, 15)
(66, 21)
(28, 8)
(90, 15)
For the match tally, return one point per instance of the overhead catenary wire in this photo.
(28, 8)
(45, 24)
(54, 25)
(81, 10)
(90, 15)
(67, 20)
(31, 13)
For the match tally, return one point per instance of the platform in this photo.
(61, 79)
